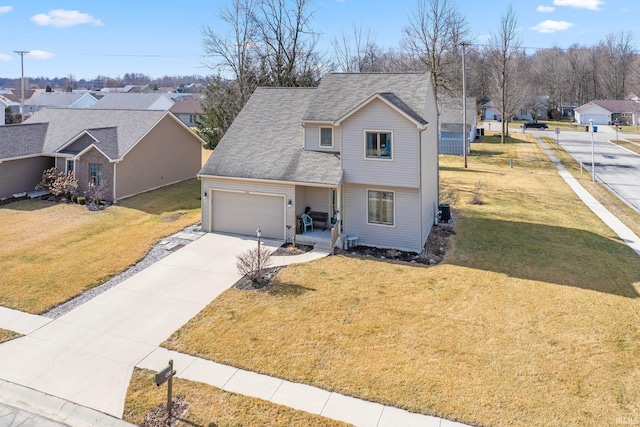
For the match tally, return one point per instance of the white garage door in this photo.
(243, 213)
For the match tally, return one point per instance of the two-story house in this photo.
(359, 148)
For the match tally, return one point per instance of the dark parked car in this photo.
(534, 124)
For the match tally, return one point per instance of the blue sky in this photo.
(159, 38)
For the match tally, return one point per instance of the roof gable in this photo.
(390, 100)
(340, 93)
(117, 131)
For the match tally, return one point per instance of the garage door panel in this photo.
(243, 213)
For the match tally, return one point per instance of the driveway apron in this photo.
(87, 355)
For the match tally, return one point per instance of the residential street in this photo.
(616, 167)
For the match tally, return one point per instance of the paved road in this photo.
(616, 167)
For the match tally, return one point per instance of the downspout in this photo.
(115, 164)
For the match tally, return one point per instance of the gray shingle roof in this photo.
(265, 142)
(50, 99)
(22, 140)
(187, 106)
(127, 101)
(399, 104)
(338, 93)
(451, 113)
(66, 124)
(612, 105)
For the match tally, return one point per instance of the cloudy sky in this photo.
(159, 38)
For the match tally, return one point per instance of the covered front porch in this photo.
(322, 204)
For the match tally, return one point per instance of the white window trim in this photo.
(366, 196)
(320, 137)
(66, 166)
(383, 159)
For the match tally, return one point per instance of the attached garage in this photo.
(243, 213)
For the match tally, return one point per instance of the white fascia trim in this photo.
(203, 177)
(371, 98)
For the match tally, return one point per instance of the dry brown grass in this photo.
(6, 335)
(51, 252)
(210, 406)
(628, 145)
(532, 320)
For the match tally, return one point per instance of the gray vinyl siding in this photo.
(404, 167)
(319, 199)
(430, 179)
(312, 138)
(257, 187)
(403, 235)
(169, 153)
(18, 176)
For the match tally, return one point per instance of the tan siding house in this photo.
(123, 152)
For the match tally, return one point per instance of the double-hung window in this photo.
(95, 174)
(380, 207)
(70, 165)
(378, 145)
(326, 137)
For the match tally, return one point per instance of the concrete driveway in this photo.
(87, 356)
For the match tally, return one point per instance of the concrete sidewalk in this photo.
(302, 397)
(624, 232)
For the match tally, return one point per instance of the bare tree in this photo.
(233, 51)
(358, 55)
(433, 35)
(618, 50)
(286, 44)
(549, 70)
(506, 64)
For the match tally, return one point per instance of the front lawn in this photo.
(51, 252)
(210, 406)
(532, 319)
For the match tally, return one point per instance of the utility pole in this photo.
(22, 53)
(464, 108)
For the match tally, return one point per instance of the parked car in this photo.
(534, 124)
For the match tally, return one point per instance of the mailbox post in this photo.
(163, 376)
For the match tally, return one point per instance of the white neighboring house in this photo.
(450, 135)
(608, 111)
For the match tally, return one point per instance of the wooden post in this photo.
(169, 389)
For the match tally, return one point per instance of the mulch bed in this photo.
(434, 251)
(266, 274)
(158, 417)
(289, 249)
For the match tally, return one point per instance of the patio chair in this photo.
(306, 221)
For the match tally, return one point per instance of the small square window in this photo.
(326, 137)
(378, 145)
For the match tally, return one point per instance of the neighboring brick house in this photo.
(360, 149)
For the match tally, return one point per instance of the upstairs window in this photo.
(326, 137)
(378, 145)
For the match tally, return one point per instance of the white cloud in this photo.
(545, 9)
(65, 18)
(39, 54)
(5, 9)
(4, 57)
(580, 4)
(550, 26)
(483, 37)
